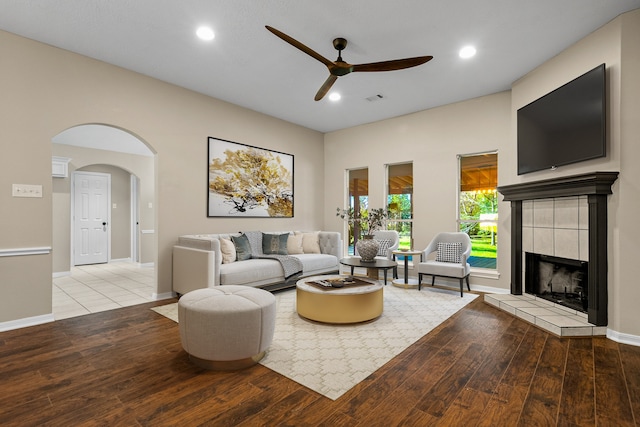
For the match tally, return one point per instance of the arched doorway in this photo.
(126, 159)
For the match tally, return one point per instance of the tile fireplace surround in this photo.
(574, 206)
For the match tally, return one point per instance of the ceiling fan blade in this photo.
(397, 64)
(325, 87)
(295, 43)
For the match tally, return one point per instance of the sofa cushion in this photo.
(274, 244)
(311, 242)
(228, 250)
(448, 269)
(294, 244)
(251, 271)
(313, 262)
(243, 248)
(449, 252)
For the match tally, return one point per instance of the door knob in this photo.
(104, 226)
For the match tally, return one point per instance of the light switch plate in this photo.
(26, 190)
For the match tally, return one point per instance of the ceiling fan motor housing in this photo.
(340, 43)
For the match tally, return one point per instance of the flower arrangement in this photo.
(369, 220)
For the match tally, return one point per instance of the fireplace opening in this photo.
(560, 280)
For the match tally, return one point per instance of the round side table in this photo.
(405, 281)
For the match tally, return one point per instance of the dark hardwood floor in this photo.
(482, 367)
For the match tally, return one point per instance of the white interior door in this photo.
(91, 199)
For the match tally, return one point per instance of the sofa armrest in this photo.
(331, 243)
(205, 242)
(192, 269)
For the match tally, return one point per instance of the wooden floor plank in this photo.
(542, 403)
(577, 404)
(482, 367)
(612, 394)
(630, 357)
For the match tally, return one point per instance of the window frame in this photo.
(494, 222)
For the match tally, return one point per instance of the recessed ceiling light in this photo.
(334, 96)
(205, 33)
(467, 52)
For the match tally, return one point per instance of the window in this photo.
(400, 202)
(478, 206)
(358, 200)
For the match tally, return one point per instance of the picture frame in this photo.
(245, 181)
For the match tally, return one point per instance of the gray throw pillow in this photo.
(275, 244)
(243, 248)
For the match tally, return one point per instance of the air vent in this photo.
(374, 98)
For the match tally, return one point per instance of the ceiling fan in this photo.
(340, 68)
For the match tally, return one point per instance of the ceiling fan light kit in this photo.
(339, 67)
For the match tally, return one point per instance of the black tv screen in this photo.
(565, 126)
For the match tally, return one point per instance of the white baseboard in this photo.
(166, 295)
(148, 264)
(120, 260)
(61, 274)
(26, 322)
(623, 338)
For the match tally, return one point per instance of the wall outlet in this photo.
(26, 190)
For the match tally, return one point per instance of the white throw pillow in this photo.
(449, 252)
(311, 242)
(384, 247)
(228, 250)
(294, 244)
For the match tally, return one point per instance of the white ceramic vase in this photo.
(367, 248)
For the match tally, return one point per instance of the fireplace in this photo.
(560, 280)
(596, 186)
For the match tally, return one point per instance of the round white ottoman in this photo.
(226, 327)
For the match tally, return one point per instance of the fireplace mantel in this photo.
(595, 185)
(575, 185)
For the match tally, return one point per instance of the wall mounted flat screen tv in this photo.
(565, 126)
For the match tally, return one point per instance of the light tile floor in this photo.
(101, 287)
(547, 315)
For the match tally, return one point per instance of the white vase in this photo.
(367, 248)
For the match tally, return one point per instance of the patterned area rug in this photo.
(332, 359)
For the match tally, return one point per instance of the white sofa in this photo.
(198, 263)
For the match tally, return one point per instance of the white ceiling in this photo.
(248, 66)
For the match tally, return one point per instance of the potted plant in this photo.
(365, 222)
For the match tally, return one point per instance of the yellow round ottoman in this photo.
(339, 305)
(226, 327)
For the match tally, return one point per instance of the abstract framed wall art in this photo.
(247, 181)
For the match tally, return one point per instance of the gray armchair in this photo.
(453, 250)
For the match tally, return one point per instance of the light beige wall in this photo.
(47, 90)
(615, 44)
(430, 139)
(623, 309)
(140, 166)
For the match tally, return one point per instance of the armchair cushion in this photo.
(449, 252)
